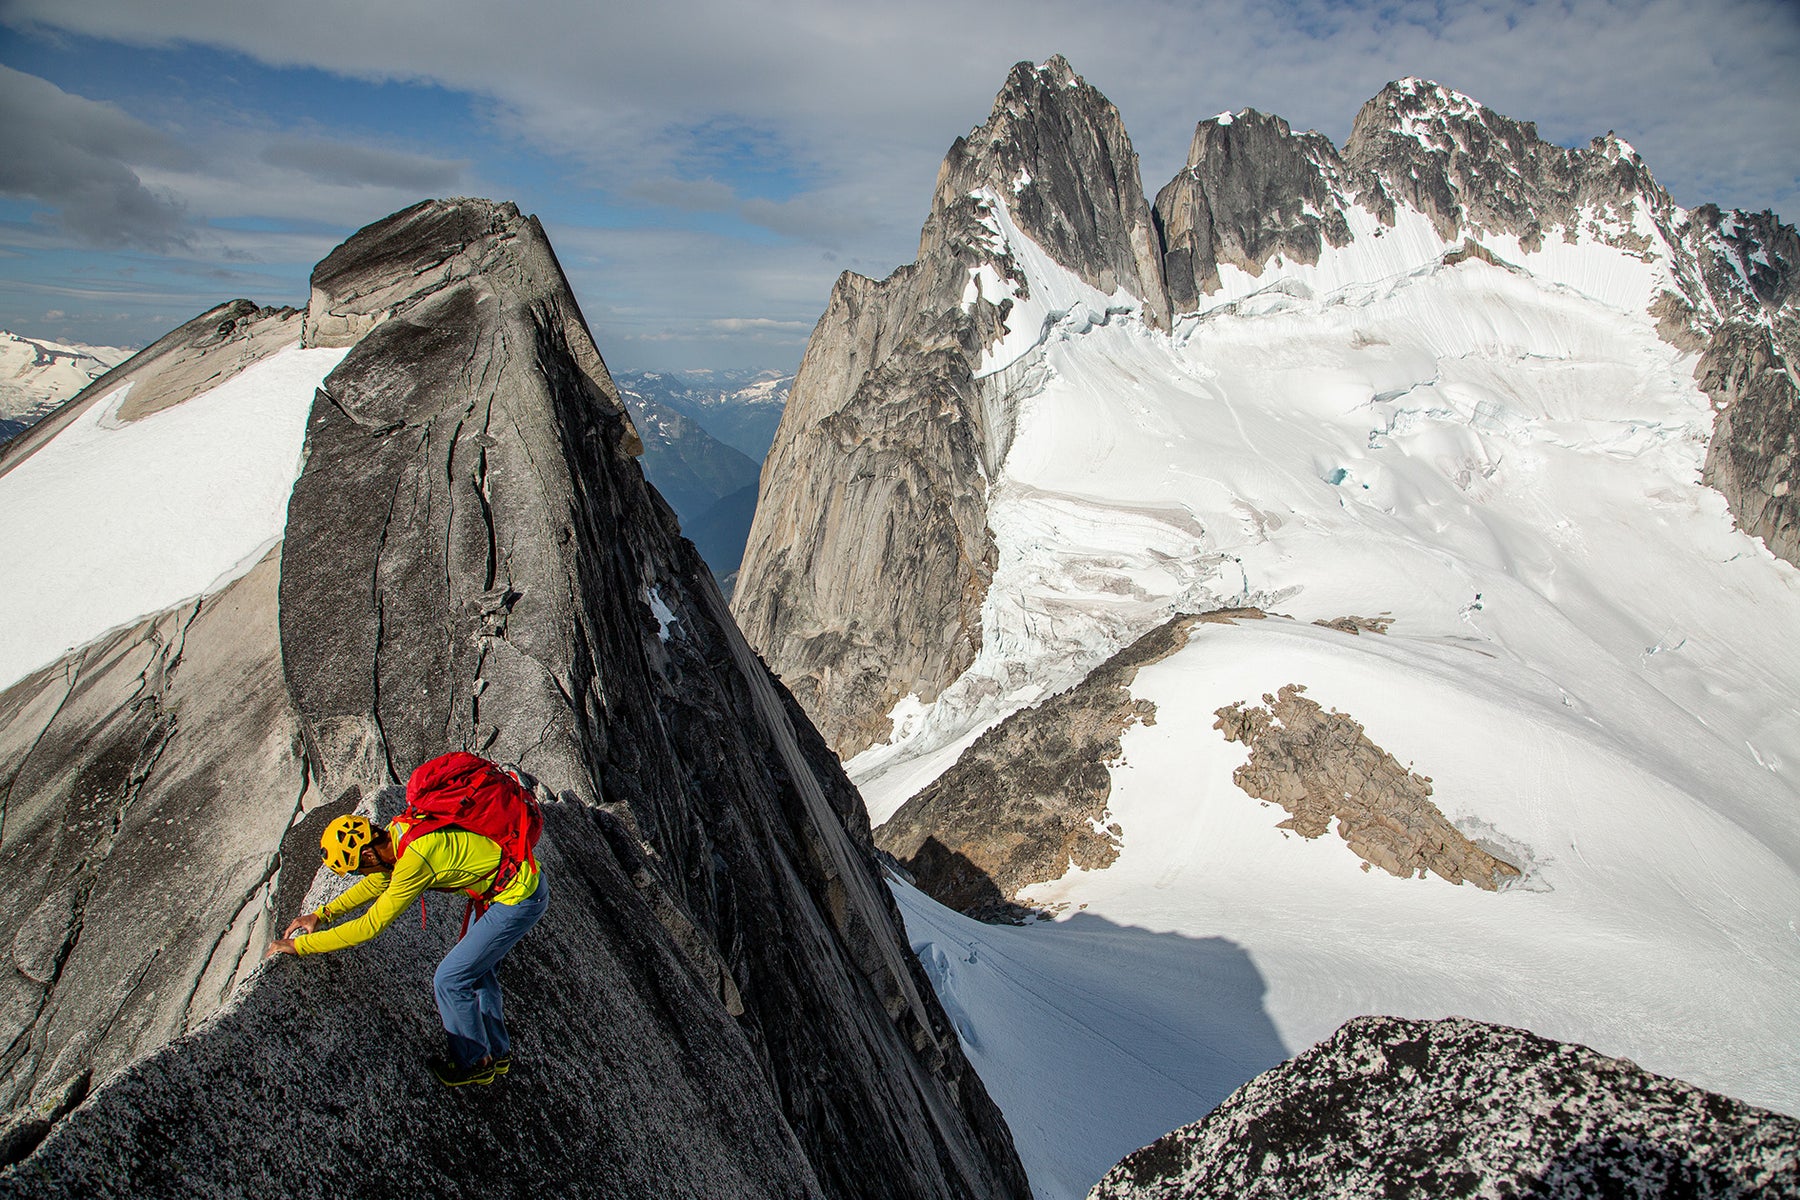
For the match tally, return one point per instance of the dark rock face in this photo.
(1252, 189)
(1748, 370)
(870, 556)
(1388, 1107)
(720, 1000)
(1754, 454)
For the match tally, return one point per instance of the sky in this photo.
(706, 168)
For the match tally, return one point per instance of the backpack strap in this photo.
(418, 823)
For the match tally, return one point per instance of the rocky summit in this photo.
(1499, 441)
(1387, 1107)
(870, 554)
(720, 1000)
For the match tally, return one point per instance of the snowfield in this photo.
(1596, 670)
(144, 514)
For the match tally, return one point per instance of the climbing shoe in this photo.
(452, 1074)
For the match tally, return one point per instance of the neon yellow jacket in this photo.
(446, 860)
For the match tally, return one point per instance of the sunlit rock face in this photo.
(720, 1000)
(870, 554)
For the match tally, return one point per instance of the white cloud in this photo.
(76, 156)
(350, 165)
(856, 92)
(846, 108)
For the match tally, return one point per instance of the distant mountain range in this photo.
(705, 435)
(741, 407)
(37, 374)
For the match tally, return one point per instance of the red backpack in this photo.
(461, 791)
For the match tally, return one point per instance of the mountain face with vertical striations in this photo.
(870, 555)
(720, 999)
(1478, 454)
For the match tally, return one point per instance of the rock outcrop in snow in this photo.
(870, 554)
(1322, 768)
(1391, 1107)
(720, 1000)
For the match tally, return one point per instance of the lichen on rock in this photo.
(1389, 1107)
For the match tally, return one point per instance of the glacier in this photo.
(1595, 668)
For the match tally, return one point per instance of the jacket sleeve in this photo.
(365, 890)
(411, 876)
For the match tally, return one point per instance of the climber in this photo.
(424, 849)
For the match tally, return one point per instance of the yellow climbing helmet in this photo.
(343, 842)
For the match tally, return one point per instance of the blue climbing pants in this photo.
(467, 985)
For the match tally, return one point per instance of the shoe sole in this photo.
(484, 1077)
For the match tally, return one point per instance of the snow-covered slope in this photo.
(148, 512)
(37, 374)
(1594, 668)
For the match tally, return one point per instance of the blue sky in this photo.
(706, 169)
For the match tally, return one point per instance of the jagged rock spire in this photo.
(1056, 151)
(720, 1000)
(870, 554)
(1252, 189)
(1468, 167)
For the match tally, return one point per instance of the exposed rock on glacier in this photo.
(1390, 1107)
(870, 553)
(719, 1000)
(1322, 768)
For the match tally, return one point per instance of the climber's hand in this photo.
(305, 924)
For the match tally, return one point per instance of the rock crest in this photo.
(1389, 1107)
(720, 1000)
